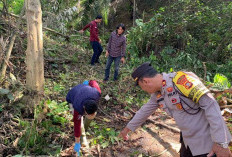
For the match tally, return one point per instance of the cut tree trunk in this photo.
(34, 52)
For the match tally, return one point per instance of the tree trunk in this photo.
(7, 58)
(34, 52)
(1, 51)
(134, 9)
(9, 50)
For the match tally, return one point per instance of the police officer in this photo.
(184, 97)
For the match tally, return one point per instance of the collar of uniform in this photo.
(166, 78)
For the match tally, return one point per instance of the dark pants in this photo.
(116, 67)
(186, 152)
(97, 50)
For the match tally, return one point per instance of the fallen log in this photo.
(58, 60)
(50, 76)
(229, 100)
(45, 28)
(226, 106)
(221, 91)
(51, 30)
(173, 129)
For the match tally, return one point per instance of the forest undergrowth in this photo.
(49, 131)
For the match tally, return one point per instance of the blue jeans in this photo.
(116, 67)
(97, 50)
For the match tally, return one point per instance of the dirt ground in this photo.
(149, 140)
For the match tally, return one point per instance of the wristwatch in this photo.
(223, 145)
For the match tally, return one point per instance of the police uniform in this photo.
(197, 116)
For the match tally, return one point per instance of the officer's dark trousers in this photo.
(186, 152)
(97, 50)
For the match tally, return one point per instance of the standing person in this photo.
(94, 39)
(115, 51)
(184, 97)
(83, 99)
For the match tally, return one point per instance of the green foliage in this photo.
(103, 135)
(7, 93)
(57, 111)
(221, 82)
(36, 137)
(15, 6)
(4, 91)
(92, 8)
(181, 36)
(136, 153)
(185, 34)
(105, 11)
(1, 107)
(31, 139)
(67, 16)
(59, 13)
(1, 6)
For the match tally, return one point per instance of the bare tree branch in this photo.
(9, 50)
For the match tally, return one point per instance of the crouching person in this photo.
(84, 101)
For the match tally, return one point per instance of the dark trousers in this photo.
(97, 50)
(186, 152)
(116, 67)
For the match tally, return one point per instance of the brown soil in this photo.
(148, 140)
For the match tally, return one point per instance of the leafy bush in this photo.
(185, 34)
(6, 92)
(221, 82)
(103, 135)
(57, 111)
(37, 135)
(15, 6)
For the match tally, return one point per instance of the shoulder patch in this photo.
(191, 87)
